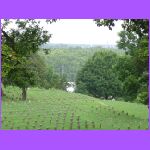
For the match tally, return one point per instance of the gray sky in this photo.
(82, 31)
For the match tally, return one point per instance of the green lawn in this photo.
(59, 110)
(138, 110)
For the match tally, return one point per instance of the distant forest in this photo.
(67, 61)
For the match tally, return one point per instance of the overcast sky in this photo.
(82, 31)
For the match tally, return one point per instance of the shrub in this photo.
(142, 98)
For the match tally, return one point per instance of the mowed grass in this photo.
(58, 110)
(138, 110)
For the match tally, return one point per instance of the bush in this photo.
(142, 98)
(81, 88)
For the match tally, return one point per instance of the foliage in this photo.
(136, 70)
(133, 70)
(142, 98)
(131, 86)
(69, 61)
(26, 37)
(53, 80)
(127, 42)
(34, 72)
(98, 76)
(138, 26)
(9, 59)
(30, 73)
(18, 44)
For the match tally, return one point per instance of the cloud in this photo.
(82, 31)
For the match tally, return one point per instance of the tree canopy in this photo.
(98, 77)
(133, 70)
(22, 40)
(18, 45)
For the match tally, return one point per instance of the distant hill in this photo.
(68, 46)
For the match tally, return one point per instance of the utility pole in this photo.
(62, 70)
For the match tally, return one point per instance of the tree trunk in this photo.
(2, 92)
(24, 94)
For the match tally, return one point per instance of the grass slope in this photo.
(59, 110)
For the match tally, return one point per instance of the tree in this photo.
(55, 81)
(128, 42)
(9, 60)
(134, 40)
(20, 42)
(138, 26)
(137, 48)
(98, 78)
(27, 74)
(26, 37)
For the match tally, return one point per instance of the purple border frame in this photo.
(73, 140)
(0, 82)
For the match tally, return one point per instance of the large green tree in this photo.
(98, 77)
(28, 74)
(20, 39)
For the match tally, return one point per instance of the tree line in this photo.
(68, 61)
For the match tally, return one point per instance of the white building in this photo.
(70, 87)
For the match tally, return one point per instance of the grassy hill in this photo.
(59, 110)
